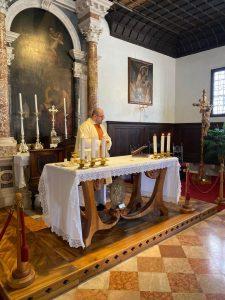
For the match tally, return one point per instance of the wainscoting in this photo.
(124, 134)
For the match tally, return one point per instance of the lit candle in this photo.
(93, 147)
(103, 147)
(168, 142)
(64, 102)
(82, 148)
(35, 101)
(162, 142)
(21, 105)
(154, 143)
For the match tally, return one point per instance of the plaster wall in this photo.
(113, 81)
(193, 74)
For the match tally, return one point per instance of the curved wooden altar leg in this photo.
(92, 221)
(135, 199)
(156, 200)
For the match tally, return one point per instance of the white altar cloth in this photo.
(20, 160)
(59, 195)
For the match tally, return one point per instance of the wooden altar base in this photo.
(60, 268)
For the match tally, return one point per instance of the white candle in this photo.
(162, 142)
(154, 143)
(103, 148)
(82, 148)
(21, 105)
(64, 103)
(93, 147)
(35, 101)
(168, 142)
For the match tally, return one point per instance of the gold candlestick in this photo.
(81, 163)
(103, 161)
(92, 162)
(168, 154)
(155, 155)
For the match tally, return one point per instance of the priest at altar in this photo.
(91, 129)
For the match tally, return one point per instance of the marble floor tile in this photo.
(123, 295)
(123, 281)
(98, 282)
(129, 265)
(183, 283)
(189, 240)
(203, 266)
(195, 252)
(150, 252)
(155, 295)
(215, 296)
(177, 265)
(150, 264)
(188, 231)
(188, 296)
(212, 284)
(154, 282)
(70, 295)
(171, 251)
(90, 295)
(173, 241)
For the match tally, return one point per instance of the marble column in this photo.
(89, 14)
(7, 144)
(79, 71)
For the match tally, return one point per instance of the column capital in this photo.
(3, 6)
(11, 36)
(90, 13)
(95, 7)
(77, 54)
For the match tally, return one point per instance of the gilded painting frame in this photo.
(140, 82)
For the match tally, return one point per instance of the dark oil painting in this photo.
(140, 82)
(42, 66)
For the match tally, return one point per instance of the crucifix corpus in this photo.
(54, 138)
(205, 109)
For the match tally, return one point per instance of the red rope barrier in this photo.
(24, 246)
(209, 190)
(10, 214)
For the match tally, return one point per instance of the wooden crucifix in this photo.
(205, 109)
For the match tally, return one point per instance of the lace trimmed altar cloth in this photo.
(59, 193)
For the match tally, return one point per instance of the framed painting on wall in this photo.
(140, 82)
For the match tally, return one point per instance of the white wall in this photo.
(193, 74)
(113, 81)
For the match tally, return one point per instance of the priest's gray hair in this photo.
(97, 111)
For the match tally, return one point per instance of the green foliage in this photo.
(214, 145)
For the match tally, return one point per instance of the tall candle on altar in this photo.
(35, 101)
(103, 147)
(93, 147)
(154, 143)
(20, 100)
(162, 142)
(82, 148)
(168, 142)
(64, 104)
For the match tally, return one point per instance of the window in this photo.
(218, 91)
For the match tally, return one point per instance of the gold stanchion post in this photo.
(187, 207)
(24, 273)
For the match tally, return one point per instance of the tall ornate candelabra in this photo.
(38, 145)
(205, 110)
(23, 148)
(54, 138)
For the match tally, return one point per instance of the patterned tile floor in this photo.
(189, 265)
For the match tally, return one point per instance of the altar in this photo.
(59, 194)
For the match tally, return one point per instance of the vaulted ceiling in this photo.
(172, 27)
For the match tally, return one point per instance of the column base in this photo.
(8, 146)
